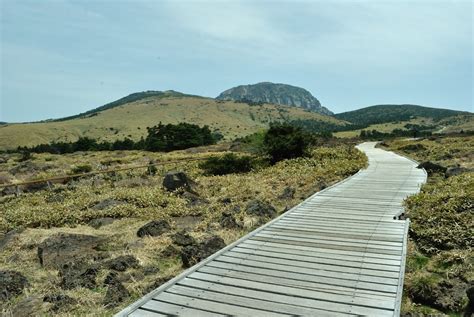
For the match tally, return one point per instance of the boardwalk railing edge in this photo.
(134, 306)
(401, 279)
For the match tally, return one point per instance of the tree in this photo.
(283, 141)
(181, 136)
(85, 144)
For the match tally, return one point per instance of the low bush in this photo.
(80, 169)
(226, 164)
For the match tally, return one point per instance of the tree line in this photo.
(160, 138)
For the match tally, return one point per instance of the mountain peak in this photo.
(275, 93)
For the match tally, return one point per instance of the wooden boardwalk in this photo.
(338, 253)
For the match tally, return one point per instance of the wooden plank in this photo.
(389, 224)
(367, 240)
(315, 269)
(354, 218)
(311, 270)
(312, 259)
(352, 305)
(291, 301)
(351, 244)
(373, 234)
(278, 248)
(310, 224)
(347, 211)
(368, 251)
(305, 280)
(145, 313)
(330, 225)
(256, 303)
(193, 301)
(169, 308)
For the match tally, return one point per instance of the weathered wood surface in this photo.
(338, 253)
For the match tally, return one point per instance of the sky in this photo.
(60, 58)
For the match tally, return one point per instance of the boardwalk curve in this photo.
(338, 253)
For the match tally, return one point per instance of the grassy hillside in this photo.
(130, 98)
(394, 113)
(130, 119)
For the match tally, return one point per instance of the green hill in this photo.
(392, 113)
(130, 116)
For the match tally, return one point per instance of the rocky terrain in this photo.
(280, 94)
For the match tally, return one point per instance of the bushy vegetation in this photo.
(84, 144)
(179, 136)
(227, 164)
(439, 261)
(81, 169)
(252, 143)
(413, 132)
(324, 127)
(161, 138)
(441, 215)
(284, 141)
(445, 150)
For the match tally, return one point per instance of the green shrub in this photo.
(25, 156)
(80, 169)
(179, 136)
(151, 169)
(226, 164)
(252, 143)
(283, 141)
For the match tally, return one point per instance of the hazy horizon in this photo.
(61, 58)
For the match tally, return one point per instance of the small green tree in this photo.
(25, 156)
(151, 169)
(179, 136)
(283, 141)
